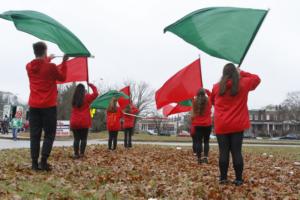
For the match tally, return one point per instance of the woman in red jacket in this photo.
(81, 118)
(231, 117)
(113, 123)
(129, 124)
(201, 121)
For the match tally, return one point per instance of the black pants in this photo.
(112, 140)
(42, 119)
(80, 139)
(202, 134)
(231, 143)
(127, 137)
(194, 143)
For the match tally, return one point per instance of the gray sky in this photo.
(128, 41)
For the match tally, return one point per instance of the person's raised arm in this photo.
(94, 95)
(252, 80)
(61, 72)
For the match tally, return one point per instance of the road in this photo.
(10, 144)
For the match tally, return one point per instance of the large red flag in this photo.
(182, 86)
(122, 101)
(77, 70)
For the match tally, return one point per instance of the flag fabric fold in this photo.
(46, 28)
(222, 32)
(103, 101)
(123, 102)
(77, 70)
(181, 86)
(184, 106)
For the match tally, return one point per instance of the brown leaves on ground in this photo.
(144, 172)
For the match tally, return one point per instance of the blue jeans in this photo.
(15, 133)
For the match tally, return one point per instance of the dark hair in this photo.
(127, 108)
(39, 49)
(200, 102)
(112, 105)
(78, 96)
(229, 73)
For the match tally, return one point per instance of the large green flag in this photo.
(222, 32)
(47, 28)
(104, 100)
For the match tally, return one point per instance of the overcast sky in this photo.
(128, 41)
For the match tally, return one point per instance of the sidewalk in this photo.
(9, 136)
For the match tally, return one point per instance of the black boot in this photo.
(238, 182)
(44, 166)
(35, 166)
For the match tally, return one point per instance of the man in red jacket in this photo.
(42, 102)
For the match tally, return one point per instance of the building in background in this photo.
(272, 122)
(158, 125)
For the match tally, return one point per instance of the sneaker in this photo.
(45, 167)
(205, 160)
(76, 156)
(223, 182)
(238, 182)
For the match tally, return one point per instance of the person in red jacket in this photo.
(128, 125)
(231, 117)
(42, 103)
(81, 118)
(201, 121)
(113, 123)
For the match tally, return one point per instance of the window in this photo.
(267, 117)
(251, 117)
(255, 117)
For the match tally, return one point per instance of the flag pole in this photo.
(252, 38)
(200, 70)
(87, 74)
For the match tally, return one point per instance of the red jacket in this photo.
(128, 119)
(113, 120)
(42, 78)
(231, 112)
(205, 119)
(81, 117)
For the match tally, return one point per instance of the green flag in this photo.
(47, 28)
(222, 32)
(186, 103)
(104, 100)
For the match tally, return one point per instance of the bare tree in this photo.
(291, 106)
(142, 95)
(65, 95)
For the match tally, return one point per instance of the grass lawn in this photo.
(148, 172)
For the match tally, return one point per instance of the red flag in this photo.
(77, 70)
(182, 86)
(171, 110)
(122, 101)
(167, 109)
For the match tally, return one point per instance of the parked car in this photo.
(291, 136)
(163, 133)
(151, 132)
